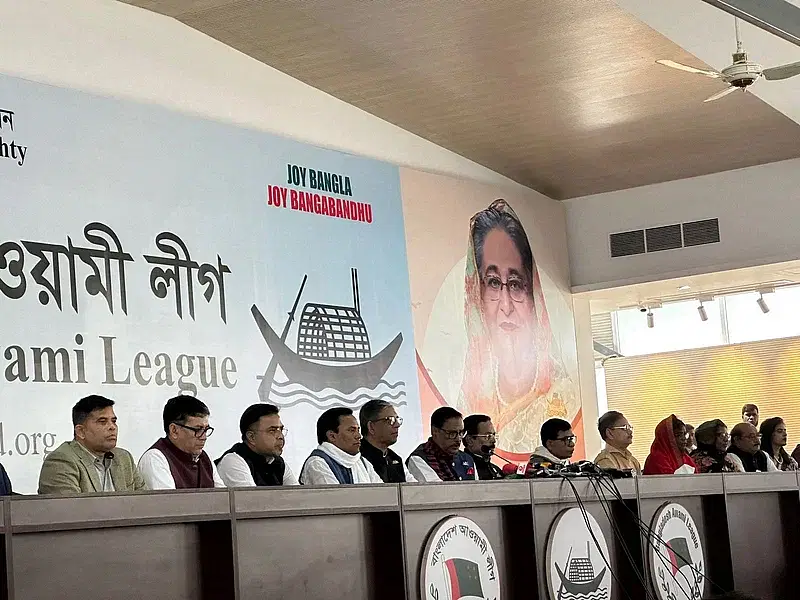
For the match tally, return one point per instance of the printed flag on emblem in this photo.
(678, 549)
(465, 579)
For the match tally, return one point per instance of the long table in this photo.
(368, 542)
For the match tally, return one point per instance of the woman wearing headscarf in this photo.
(711, 455)
(773, 439)
(668, 450)
(513, 370)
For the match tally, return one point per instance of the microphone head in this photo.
(509, 469)
(108, 456)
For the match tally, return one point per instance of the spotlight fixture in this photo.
(702, 310)
(762, 304)
(650, 322)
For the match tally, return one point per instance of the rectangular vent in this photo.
(627, 243)
(663, 238)
(697, 233)
(667, 237)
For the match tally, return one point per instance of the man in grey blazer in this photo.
(91, 462)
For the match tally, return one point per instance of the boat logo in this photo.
(577, 558)
(458, 563)
(677, 567)
(333, 364)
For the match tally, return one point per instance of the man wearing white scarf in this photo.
(337, 459)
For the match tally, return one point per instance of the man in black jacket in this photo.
(380, 427)
(480, 440)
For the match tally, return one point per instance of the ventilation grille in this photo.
(667, 237)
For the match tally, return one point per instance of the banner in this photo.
(492, 308)
(144, 253)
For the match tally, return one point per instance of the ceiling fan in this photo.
(742, 73)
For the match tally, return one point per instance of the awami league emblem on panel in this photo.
(459, 563)
(577, 558)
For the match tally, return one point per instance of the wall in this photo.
(114, 49)
(757, 210)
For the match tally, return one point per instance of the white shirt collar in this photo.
(340, 456)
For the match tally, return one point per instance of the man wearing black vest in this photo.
(337, 459)
(380, 426)
(178, 461)
(256, 460)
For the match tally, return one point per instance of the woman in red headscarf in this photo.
(668, 451)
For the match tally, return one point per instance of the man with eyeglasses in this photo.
(558, 445)
(480, 440)
(440, 458)
(256, 460)
(617, 433)
(745, 450)
(380, 426)
(178, 461)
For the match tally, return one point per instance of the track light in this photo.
(762, 304)
(650, 322)
(702, 311)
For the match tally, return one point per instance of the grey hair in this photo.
(369, 412)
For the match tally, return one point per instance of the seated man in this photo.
(380, 426)
(745, 450)
(91, 462)
(178, 461)
(617, 433)
(440, 458)
(480, 440)
(337, 459)
(558, 444)
(256, 460)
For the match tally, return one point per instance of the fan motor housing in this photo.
(742, 74)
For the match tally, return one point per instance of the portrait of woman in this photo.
(513, 369)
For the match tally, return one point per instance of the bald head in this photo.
(745, 437)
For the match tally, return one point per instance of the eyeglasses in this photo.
(452, 435)
(484, 436)
(392, 421)
(198, 431)
(277, 430)
(494, 287)
(569, 440)
(627, 428)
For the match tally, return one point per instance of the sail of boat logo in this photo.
(333, 364)
(578, 580)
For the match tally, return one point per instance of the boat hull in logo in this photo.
(577, 558)
(458, 563)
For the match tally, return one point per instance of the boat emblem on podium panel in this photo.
(458, 563)
(577, 563)
(333, 363)
(677, 566)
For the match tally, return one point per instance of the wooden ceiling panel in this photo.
(561, 95)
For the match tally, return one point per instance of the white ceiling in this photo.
(708, 33)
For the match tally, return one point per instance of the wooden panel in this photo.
(141, 563)
(31, 512)
(561, 95)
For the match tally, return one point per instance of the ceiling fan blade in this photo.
(718, 95)
(688, 69)
(782, 72)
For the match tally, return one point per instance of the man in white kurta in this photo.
(337, 459)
